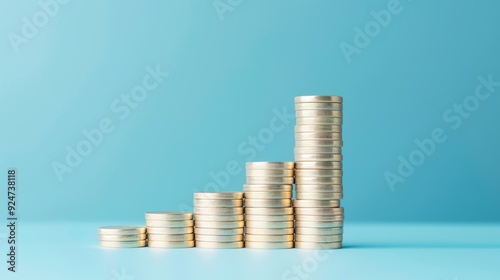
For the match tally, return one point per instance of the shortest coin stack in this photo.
(170, 229)
(219, 220)
(122, 236)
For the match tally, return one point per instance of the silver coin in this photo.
(232, 203)
(319, 231)
(268, 245)
(315, 203)
(169, 216)
(165, 230)
(270, 180)
(319, 121)
(317, 150)
(331, 136)
(323, 218)
(320, 196)
(171, 237)
(318, 128)
(318, 224)
(318, 113)
(269, 231)
(218, 195)
(269, 211)
(170, 224)
(318, 157)
(270, 173)
(268, 195)
(320, 173)
(268, 224)
(219, 218)
(318, 245)
(135, 237)
(318, 98)
(171, 244)
(123, 244)
(319, 188)
(318, 143)
(220, 245)
(219, 238)
(269, 238)
(319, 211)
(267, 203)
(218, 231)
(122, 230)
(269, 218)
(270, 165)
(267, 188)
(218, 211)
(319, 180)
(322, 165)
(334, 106)
(210, 224)
(318, 238)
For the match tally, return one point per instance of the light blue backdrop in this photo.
(233, 67)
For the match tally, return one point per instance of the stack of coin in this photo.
(219, 220)
(170, 229)
(318, 156)
(122, 236)
(269, 216)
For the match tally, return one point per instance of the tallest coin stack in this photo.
(318, 176)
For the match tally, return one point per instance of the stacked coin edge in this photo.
(168, 230)
(318, 177)
(269, 214)
(219, 222)
(122, 236)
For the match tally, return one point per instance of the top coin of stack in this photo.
(219, 220)
(122, 236)
(268, 205)
(170, 229)
(318, 177)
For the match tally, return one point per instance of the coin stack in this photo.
(170, 229)
(268, 205)
(219, 220)
(318, 156)
(122, 236)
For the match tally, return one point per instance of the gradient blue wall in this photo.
(233, 68)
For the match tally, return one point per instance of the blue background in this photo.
(226, 76)
(230, 76)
